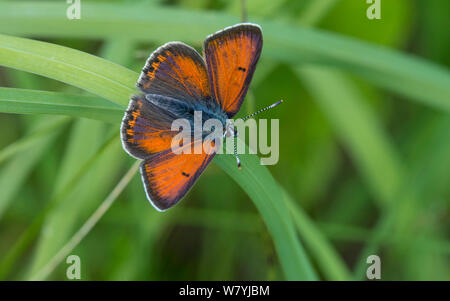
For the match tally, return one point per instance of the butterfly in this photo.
(177, 81)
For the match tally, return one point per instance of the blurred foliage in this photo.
(364, 151)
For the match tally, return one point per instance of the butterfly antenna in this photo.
(262, 110)
(235, 151)
(245, 118)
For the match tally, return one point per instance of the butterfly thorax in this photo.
(208, 108)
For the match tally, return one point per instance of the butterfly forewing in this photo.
(231, 57)
(168, 177)
(176, 70)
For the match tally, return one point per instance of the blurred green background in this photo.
(364, 156)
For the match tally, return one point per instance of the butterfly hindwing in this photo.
(146, 134)
(146, 128)
(176, 70)
(168, 177)
(231, 57)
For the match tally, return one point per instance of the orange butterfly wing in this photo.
(231, 57)
(146, 128)
(176, 70)
(168, 177)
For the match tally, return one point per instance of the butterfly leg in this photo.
(235, 149)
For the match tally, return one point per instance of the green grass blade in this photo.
(258, 183)
(21, 101)
(329, 261)
(70, 66)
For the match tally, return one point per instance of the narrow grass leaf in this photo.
(329, 261)
(258, 183)
(21, 101)
(70, 66)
